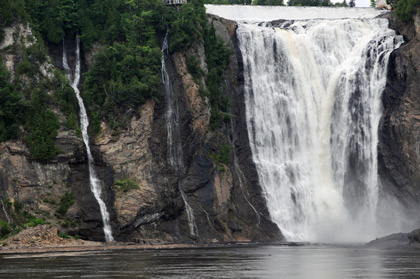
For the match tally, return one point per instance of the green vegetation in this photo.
(63, 235)
(11, 107)
(10, 9)
(66, 201)
(194, 68)
(4, 229)
(217, 59)
(20, 219)
(29, 109)
(405, 8)
(41, 124)
(125, 185)
(126, 72)
(35, 221)
(123, 77)
(222, 157)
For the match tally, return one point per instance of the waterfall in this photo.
(95, 184)
(175, 155)
(5, 212)
(313, 105)
(241, 178)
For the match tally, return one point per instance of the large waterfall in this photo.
(313, 105)
(175, 154)
(95, 184)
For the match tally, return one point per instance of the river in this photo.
(308, 261)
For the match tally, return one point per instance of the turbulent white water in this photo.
(95, 184)
(175, 156)
(270, 13)
(313, 104)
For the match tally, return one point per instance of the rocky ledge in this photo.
(397, 240)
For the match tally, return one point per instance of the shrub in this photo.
(125, 185)
(63, 235)
(66, 201)
(222, 157)
(194, 68)
(17, 205)
(4, 229)
(35, 221)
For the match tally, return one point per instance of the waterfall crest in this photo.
(313, 105)
(95, 184)
(175, 155)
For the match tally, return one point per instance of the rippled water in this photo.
(321, 261)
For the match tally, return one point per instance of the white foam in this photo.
(270, 13)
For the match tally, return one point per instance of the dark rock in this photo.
(391, 241)
(399, 141)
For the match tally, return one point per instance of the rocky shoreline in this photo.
(45, 239)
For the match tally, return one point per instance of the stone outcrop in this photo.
(397, 240)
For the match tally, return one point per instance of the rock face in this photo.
(399, 146)
(226, 201)
(227, 205)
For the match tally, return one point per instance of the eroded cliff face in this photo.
(227, 204)
(399, 146)
(226, 200)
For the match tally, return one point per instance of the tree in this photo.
(406, 8)
(10, 107)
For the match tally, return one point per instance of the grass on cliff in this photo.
(66, 201)
(222, 156)
(125, 185)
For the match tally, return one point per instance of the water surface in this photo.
(314, 261)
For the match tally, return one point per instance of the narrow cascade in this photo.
(241, 177)
(5, 212)
(313, 105)
(175, 156)
(95, 184)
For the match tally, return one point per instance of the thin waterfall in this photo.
(95, 184)
(5, 212)
(241, 178)
(313, 105)
(175, 155)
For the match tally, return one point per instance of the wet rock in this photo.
(399, 141)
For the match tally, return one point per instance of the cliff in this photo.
(225, 198)
(142, 190)
(399, 146)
